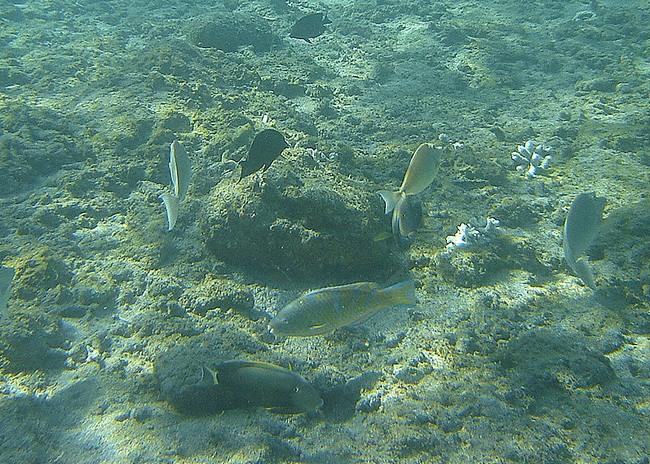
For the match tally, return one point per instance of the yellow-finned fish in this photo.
(324, 310)
(422, 170)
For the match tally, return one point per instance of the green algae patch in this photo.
(39, 272)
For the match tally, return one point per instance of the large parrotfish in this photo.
(324, 310)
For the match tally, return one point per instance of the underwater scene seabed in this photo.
(336, 231)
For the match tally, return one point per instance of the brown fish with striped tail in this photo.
(324, 310)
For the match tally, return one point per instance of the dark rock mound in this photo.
(31, 341)
(229, 32)
(308, 231)
(546, 361)
(34, 142)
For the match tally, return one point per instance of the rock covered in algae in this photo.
(544, 361)
(30, 341)
(230, 31)
(34, 142)
(308, 231)
(481, 265)
(216, 292)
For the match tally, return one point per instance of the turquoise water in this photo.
(115, 326)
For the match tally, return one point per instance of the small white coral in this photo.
(465, 236)
(468, 236)
(531, 157)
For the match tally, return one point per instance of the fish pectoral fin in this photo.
(213, 374)
(281, 409)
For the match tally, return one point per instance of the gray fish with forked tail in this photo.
(580, 228)
(422, 170)
(322, 311)
(6, 277)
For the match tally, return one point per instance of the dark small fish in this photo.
(309, 27)
(250, 384)
(266, 147)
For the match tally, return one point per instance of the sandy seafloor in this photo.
(507, 357)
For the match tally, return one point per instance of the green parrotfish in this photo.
(324, 310)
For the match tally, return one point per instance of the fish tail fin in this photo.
(171, 203)
(401, 293)
(390, 198)
(585, 273)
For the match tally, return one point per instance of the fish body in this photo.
(309, 27)
(6, 277)
(180, 168)
(324, 310)
(407, 217)
(580, 228)
(251, 384)
(266, 147)
(421, 171)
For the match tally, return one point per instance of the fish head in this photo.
(296, 320)
(305, 397)
(407, 217)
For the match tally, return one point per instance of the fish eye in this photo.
(296, 390)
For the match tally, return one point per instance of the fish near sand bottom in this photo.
(581, 226)
(259, 384)
(266, 147)
(421, 171)
(309, 27)
(180, 170)
(324, 310)
(6, 277)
